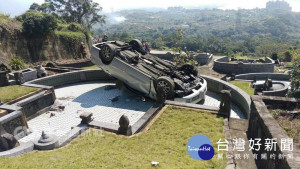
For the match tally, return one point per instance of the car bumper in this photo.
(196, 96)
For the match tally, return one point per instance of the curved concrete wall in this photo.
(224, 66)
(239, 97)
(263, 76)
(71, 77)
(281, 92)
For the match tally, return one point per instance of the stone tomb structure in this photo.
(224, 65)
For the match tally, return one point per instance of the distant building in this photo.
(185, 26)
(278, 5)
(176, 8)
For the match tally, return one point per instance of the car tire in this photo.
(107, 53)
(189, 69)
(137, 45)
(168, 85)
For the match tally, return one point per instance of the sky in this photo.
(17, 7)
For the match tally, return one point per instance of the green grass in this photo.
(10, 93)
(289, 64)
(164, 142)
(245, 86)
(91, 67)
(276, 69)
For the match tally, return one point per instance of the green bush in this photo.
(75, 27)
(37, 23)
(17, 63)
(71, 40)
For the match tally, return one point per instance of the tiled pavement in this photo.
(88, 97)
(94, 97)
(214, 100)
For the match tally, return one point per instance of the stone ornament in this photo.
(46, 142)
(41, 71)
(125, 128)
(225, 105)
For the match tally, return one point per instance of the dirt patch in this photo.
(208, 69)
(290, 122)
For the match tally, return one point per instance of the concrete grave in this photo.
(3, 79)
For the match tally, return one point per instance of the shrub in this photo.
(295, 80)
(37, 24)
(274, 56)
(71, 41)
(17, 63)
(75, 27)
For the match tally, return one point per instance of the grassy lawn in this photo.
(165, 142)
(245, 86)
(9, 93)
(91, 67)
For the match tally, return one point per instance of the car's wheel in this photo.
(167, 84)
(189, 69)
(107, 53)
(137, 45)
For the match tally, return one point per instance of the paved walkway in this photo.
(88, 97)
(242, 159)
(214, 100)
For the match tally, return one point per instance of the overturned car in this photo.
(150, 75)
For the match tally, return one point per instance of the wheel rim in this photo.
(106, 53)
(165, 85)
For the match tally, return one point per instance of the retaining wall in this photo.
(262, 125)
(239, 97)
(281, 102)
(224, 66)
(37, 102)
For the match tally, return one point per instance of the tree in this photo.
(83, 12)
(37, 24)
(274, 56)
(45, 8)
(288, 55)
(295, 80)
